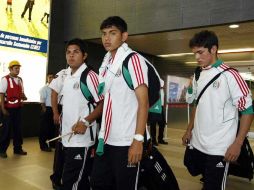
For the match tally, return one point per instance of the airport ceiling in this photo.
(175, 42)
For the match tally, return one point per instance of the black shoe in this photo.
(162, 142)
(56, 186)
(20, 152)
(22, 16)
(155, 143)
(3, 155)
(55, 183)
(46, 149)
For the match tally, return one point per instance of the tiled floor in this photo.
(32, 172)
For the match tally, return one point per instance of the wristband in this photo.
(85, 122)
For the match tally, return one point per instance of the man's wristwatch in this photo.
(85, 122)
(139, 137)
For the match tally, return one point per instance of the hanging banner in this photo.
(24, 37)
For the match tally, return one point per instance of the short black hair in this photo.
(79, 42)
(205, 38)
(114, 21)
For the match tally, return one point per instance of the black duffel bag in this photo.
(155, 173)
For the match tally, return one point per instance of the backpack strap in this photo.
(83, 85)
(210, 82)
(87, 94)
(125, 71)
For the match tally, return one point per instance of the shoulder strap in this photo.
(83, 85)
(125, 71)
(87, 94)
(210, 82)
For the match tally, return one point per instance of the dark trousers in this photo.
(77, 168)
(112, 172)
(161, 122)
(58, 165)
(45, 15)
(47, 128)
(212, 167)
(29, 5)
(12, 121)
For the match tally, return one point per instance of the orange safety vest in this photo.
(13, 93)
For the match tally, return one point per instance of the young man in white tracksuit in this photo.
(124, 112)
(212, 131)
(77, 117)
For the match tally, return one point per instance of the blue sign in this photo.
(23, 42)
(173, 90)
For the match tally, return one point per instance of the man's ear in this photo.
(85, 56)
(214, 50)
(124, 36)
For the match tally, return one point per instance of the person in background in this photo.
(56, 101)
(9, 4)
(120, 148)
(47, 127)
(29, 5)
(77, 117)
(212, 131)
(12, 94)
(161, 122)
(46, 12)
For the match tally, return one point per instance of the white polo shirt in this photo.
(216, 117)
(45, 95)
(75, 104)
(122, 105)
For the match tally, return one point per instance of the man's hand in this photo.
(79, 128)
(5, 112)
(23, 97)
(43, 108)
(233, 152)
(186, 137)
(135, 152)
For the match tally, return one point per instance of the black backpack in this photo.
(88, 95)
(155, 108)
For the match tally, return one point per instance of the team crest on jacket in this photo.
(76, 86)
(216, 84)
